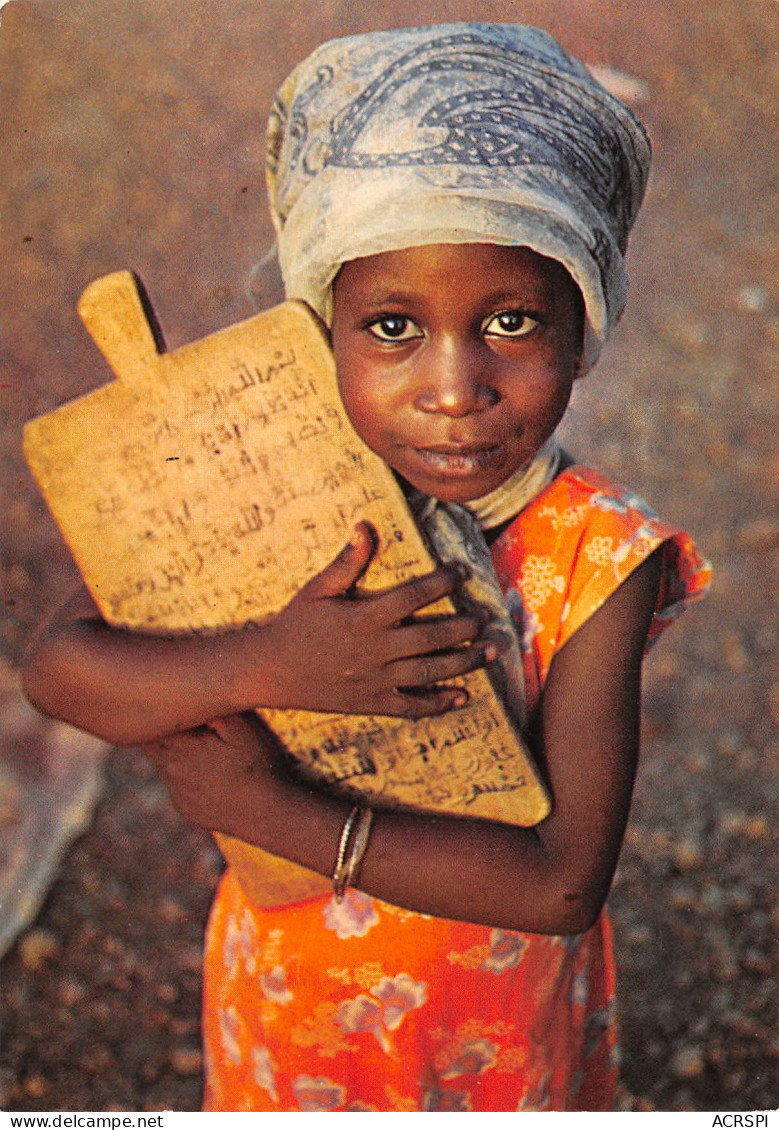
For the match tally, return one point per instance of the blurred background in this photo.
(133, 138)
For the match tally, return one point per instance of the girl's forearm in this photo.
(129, 688)
(473, 870)
(470, 870)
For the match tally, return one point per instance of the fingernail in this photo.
(460, 699)
(490, 652)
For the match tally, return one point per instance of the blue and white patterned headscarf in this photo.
(458, 133)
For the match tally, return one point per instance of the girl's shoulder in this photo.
(577, 482)
(576, 543)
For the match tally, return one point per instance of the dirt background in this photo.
(133, 137)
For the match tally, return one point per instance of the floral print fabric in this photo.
(364, 1006)
(571, 548)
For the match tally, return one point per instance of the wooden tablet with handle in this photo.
(204, 486)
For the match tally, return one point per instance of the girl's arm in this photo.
(550, 879)
(130, 687)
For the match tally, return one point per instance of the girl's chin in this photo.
(448, 490)
(456, 476)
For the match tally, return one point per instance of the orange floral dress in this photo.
(364, 1006)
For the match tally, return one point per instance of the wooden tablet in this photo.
(204, 486)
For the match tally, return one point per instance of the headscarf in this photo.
(458, 133)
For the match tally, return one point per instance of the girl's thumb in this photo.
(347, 568)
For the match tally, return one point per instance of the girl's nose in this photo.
(455, 382)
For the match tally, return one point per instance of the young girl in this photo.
(455, 202)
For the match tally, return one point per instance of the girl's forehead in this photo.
(480, 272)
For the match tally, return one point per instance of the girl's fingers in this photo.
(436, 633)
(439, 700)
(423, 671)
(411, 596)
(347, 568)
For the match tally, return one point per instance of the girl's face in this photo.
(456, 361)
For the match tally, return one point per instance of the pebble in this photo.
(35, 1086)
(659, 842)
(716, 1055)
(756, 962)
(766, 637)
(191, 958)
(734, 653)
(682, 897)
(690, 334)
(96, 1060)
(167, 993)
(684, 1101)
(725, 968)
(687, 854)
(722, 1000)
(638, 936)
(114, 947)
(734, 1081)
(748, 757)
(728, 743)
(697, 762)
(38, 948)
(170, 910)
(755, 828)
(687, 1062)
(738, 1023)
(753, 299)
(186, 1061)
(732, 822)
(667, 665)
(739, 898)
(70, 992)
(628, 88)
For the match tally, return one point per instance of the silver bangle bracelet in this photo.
(351, 849)
(361, 836)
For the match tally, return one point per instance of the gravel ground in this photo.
(134, 140)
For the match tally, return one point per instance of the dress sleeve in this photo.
(619, 531)
(573, 547)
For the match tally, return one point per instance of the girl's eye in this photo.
(512, 323)
(394, 327)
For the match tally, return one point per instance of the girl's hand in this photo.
(334, 649)
(207, 769)
(331, 649)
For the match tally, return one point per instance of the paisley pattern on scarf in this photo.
(364, 1006)
(455, 133)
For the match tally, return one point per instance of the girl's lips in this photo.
(458, 462)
